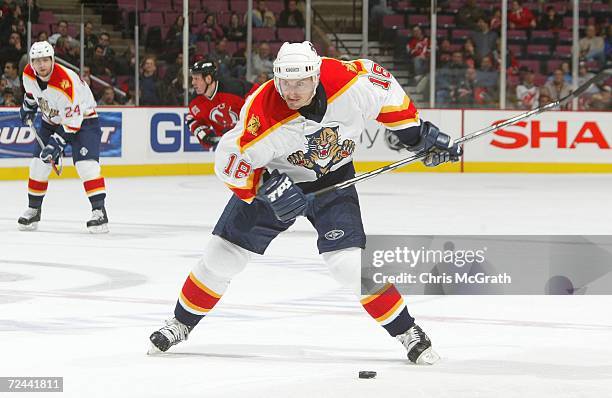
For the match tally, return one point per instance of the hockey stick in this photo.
(57, 168)
(385, 169)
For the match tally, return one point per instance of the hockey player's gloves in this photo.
(27, 113)
(54, 149)
(439, 146)
(284, 197)
(206, 135)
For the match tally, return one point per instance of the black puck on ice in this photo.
(367, 374)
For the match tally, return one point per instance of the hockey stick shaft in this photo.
(390, 167)
(56, 169)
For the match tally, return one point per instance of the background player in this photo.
(216, 108)
(297, 135)
(68, 117)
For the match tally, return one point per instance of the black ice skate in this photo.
(29, 220)
(98, 224)
(173, 333)
(419, 346)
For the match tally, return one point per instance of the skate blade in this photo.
(31, 227)
(153, 350)
(428, 357)
(98, 229)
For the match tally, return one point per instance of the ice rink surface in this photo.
(82, 306)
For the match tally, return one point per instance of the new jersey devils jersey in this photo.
(221, 112)
(271, 136)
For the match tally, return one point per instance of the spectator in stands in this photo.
(126, 63)
(485, 40)
(469, 53)
(14, 50)
(583, 76)
(9, 16)
(557, 88)
(378, 10)
(109, 53)
(291, 17)
(72, 52)
(235, 31)
(62, 31)
(262, 17)
(496, 20)
(222, 57)
(21, 28)
(31, 11)
(210, 30)
(601, 101)
(151, 86)
(527, 93)
(487, 75)
(174, 39)
(261, 61)
(463, 93)
(11, 76)
(444, 53)
(520, 17)
(8, 97)
(551, 20)
(175, 68)
(468, 15)
(418, 51)
(449, 77)
(99, 65)
(90, 39)
(42, 36)
(592, 46)
(108, 97)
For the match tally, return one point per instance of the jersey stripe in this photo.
(248, 192)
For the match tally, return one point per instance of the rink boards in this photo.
(155, 141)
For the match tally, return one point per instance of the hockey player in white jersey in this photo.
(68, 117)
(296, 135)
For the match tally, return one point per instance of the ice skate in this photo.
(98, 224)
(173, 333)
(29, 220)
(418, 346)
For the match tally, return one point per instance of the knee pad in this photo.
(88, 169)
(345, 267)
(222, 260)
(39, 170)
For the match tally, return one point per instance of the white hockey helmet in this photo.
(296, 61)
(41, 49)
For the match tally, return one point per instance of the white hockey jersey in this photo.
(271, 136)
(66, 100)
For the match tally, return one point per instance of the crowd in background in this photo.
(468, 54)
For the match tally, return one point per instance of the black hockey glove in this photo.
(27, 113)
(284, 197)
(439, 146)
(206, 135)
(54, 149)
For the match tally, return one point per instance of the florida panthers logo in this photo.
(223, 115)
(324, 151)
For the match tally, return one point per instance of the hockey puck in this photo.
(367, 374)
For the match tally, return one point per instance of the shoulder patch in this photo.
(266, 112)
(61, 80)
(337, 76)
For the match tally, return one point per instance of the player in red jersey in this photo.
(216, 108)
